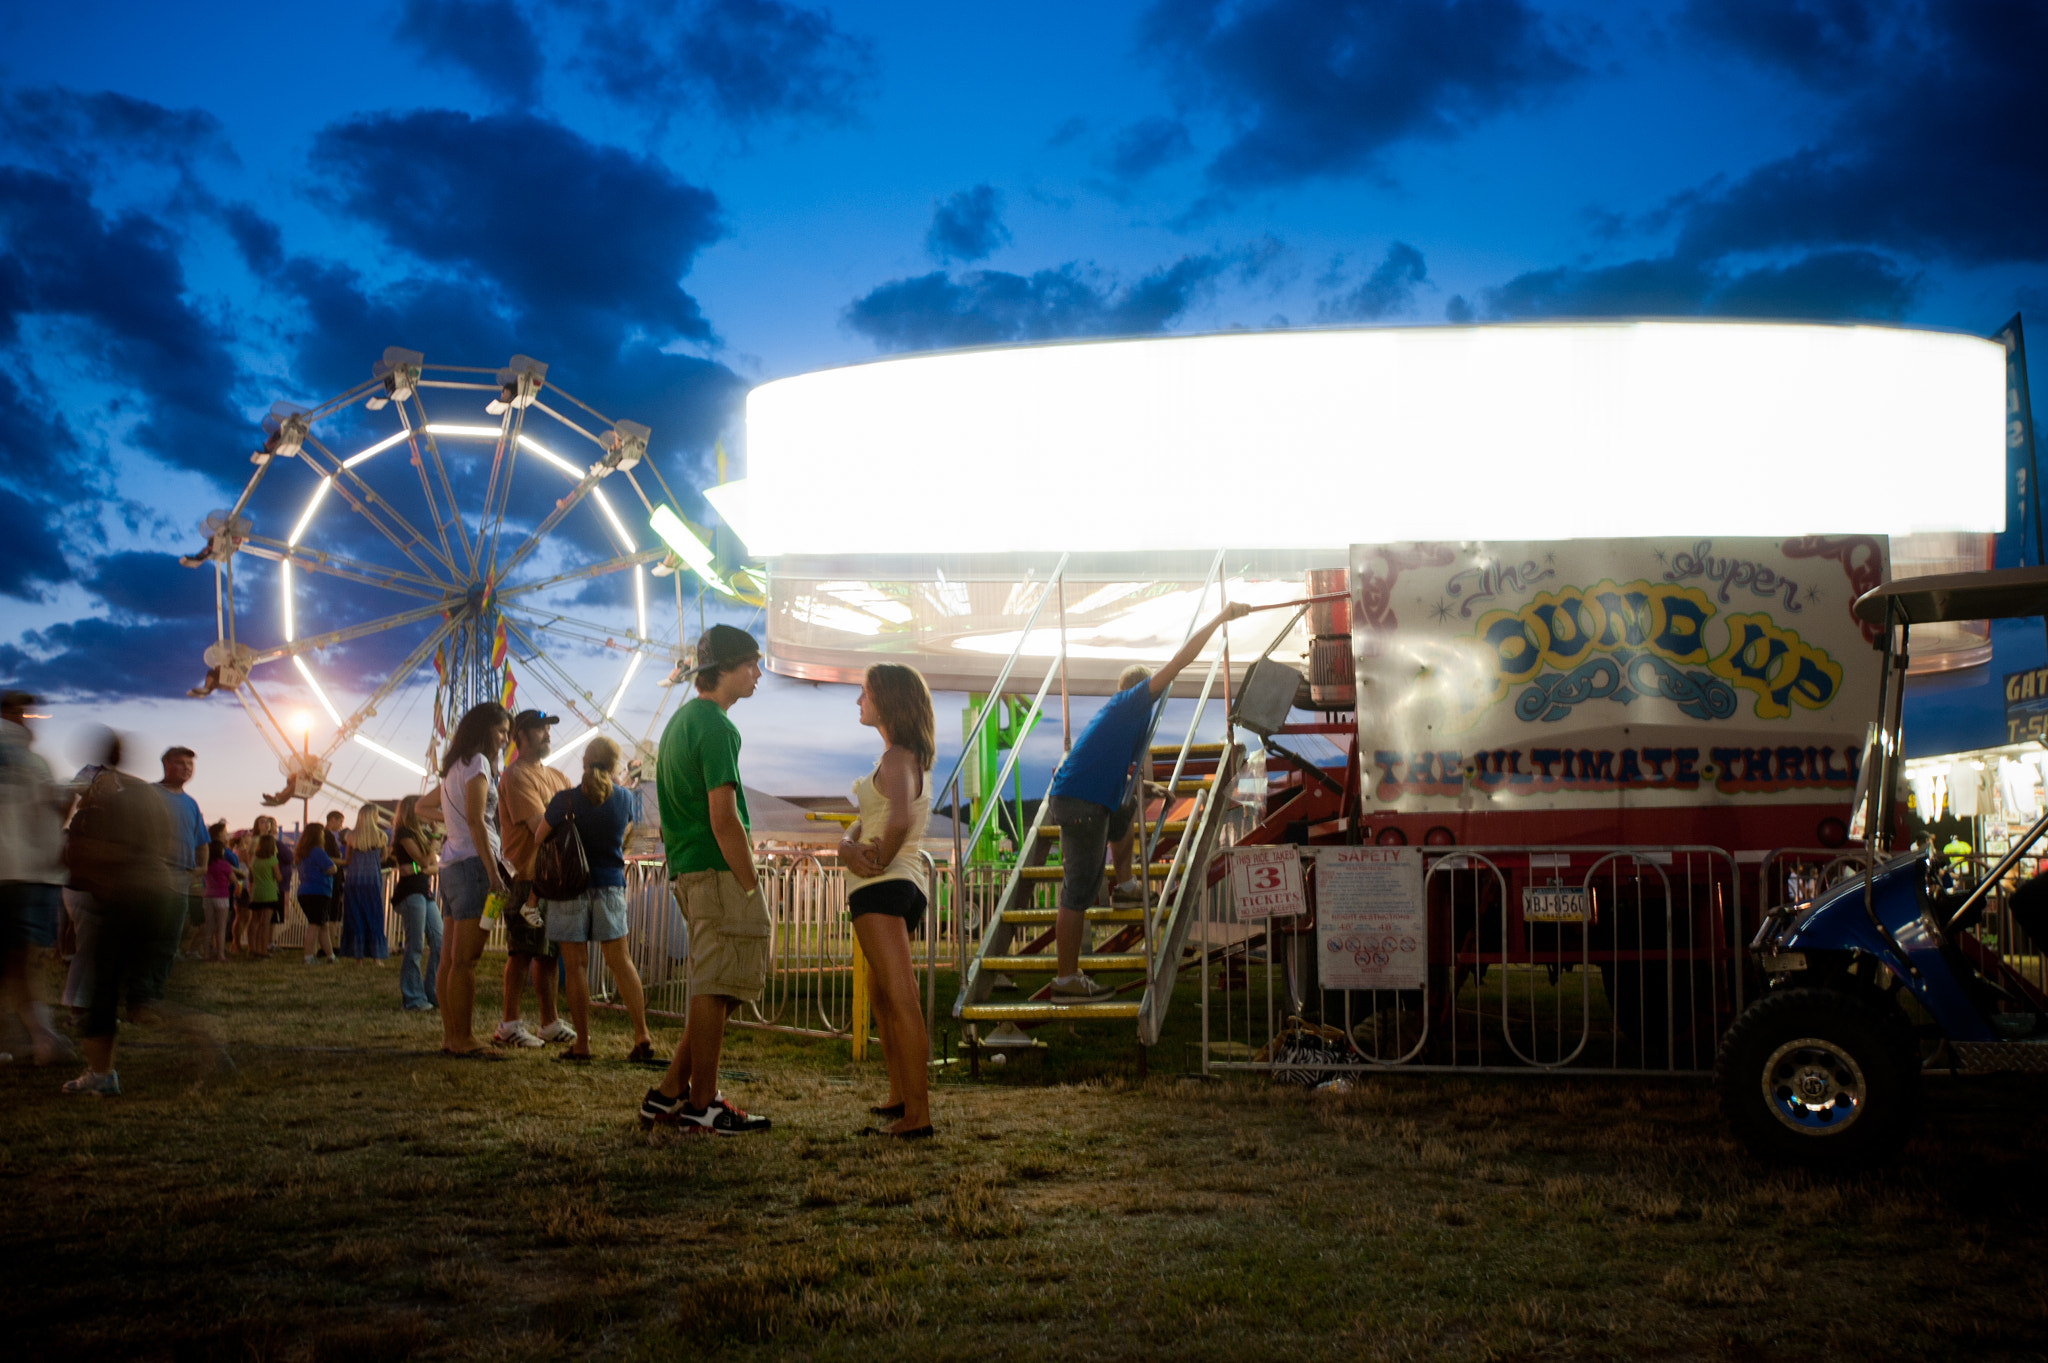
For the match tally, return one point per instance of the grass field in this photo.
(342, 1193)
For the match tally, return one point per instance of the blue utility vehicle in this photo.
(1882, 976)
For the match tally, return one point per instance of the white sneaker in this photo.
(1127, 892)
(558, 1030)
(514, 1035)
(1079, 988)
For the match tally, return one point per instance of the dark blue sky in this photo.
(206, 209)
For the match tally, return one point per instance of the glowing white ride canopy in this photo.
(1319, 439)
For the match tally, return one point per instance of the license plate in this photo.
(1553, 904)
(1778, 962)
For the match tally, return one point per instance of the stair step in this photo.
(1201, 750)
(1159, 869)
(1025, 965)
(1050, 1012)
(1173, 828)
(1094, 915)
(1189, 787)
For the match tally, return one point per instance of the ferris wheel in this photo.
(454, 533)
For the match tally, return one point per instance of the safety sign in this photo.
(1371, 920)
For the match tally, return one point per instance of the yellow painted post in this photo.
(860, 1002)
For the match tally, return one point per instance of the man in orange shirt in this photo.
(523, 794)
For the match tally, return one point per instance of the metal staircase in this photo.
(1141, 951)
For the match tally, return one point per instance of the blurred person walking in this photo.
(32, 875)
(603, 816)
(885, 881)
(184, 920)
(223, 876)
(523, 794)
(711, 865)
(316, 892)
(266, 891)
(412, 848)
(362, 933)
(121, 849)
(467, 802)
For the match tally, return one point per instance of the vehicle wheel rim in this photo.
(1814, 1087)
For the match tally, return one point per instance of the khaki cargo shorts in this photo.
(729, 935)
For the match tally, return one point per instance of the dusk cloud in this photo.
(121, 281)
(967, 226)
(746, 61)
(563, 225)
(1825, 286)
(986, 307)
(1147, 145)
(489, 39)
(1389, 289)
(1936, 151)
(72, 131)
(1322, 87)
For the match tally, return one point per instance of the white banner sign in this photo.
(1371, 921)
(1266, 882)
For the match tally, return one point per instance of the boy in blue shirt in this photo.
(1094, 800)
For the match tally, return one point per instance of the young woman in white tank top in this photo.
(886, 882)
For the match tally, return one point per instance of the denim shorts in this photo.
(28, 914)
(464, 886)
(1086, 831)
(596, 915)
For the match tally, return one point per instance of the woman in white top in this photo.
(467, 802)
(886, 882)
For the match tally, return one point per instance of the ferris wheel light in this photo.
(478, 432)
(528, 442)
(289, 623)
(640, 597)
(306, 518)
(299, 661)
(386, 753)
(571, 746)
(695, 553)
(624, 682)
(302, 722)
(382, 445)
(604, 505)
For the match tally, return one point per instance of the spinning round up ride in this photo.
(451, 518)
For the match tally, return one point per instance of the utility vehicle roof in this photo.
(1998, 595)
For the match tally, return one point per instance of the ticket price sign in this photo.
(1371, 920)
(1266, 882)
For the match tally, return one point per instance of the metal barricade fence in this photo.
(1628, 961)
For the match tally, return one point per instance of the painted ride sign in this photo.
(1581, 674)
(1266, 882)
(1371, 923)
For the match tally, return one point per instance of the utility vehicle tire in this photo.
(1819, 1078)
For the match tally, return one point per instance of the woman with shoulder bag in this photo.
(603, 817)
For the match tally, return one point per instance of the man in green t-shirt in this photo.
(711, 875)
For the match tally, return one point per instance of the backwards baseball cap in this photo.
(532, 719)
(721, 647)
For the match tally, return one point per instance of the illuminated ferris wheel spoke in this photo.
(352, 570)
(342, 477)
(314, 642)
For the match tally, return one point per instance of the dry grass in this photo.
(343, 1194)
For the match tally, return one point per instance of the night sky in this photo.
(206, 209)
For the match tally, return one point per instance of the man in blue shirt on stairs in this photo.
(1094, 800)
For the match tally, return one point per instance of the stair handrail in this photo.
(1054, 585)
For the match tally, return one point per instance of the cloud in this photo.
(31, 554)
(563, 225)
(1832, 285)
(1147, 145)
(746, 61)
(489, 39)
(1067, 133)
(967, 226)
(1935, 151)
(1820, 42)
(1314, 88)
(71, 131)
(159, 621)
(120, 282)
(1390, 288)
(985, 307)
